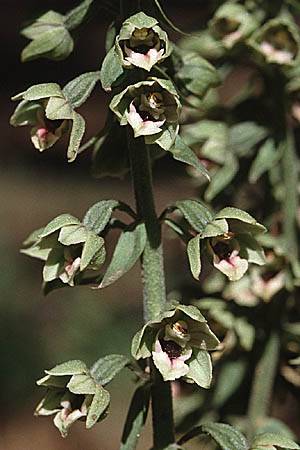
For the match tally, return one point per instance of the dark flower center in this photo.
(268, 275)
(222, 250)
(52, 125)
(172, 349)
(225, 26)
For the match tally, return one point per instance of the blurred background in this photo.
(38, 332)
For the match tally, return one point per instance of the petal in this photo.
(234, 267)
(171, 369)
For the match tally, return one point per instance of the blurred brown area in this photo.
(38, 332)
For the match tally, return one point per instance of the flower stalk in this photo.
(154, 290)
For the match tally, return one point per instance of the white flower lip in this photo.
(171, 368)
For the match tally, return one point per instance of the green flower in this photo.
(141, 42)
(151, 108)
(178, 342)
(72, 394)
(229, 240)
(67, 247)
(232, 23)
(277, 41)
(46, 108)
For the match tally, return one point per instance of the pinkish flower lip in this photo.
(42, 133)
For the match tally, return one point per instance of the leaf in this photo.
(77, 15)
(194, 256)
(238, 214)
(72, 367)
(72, 234)
(136, 418)
(227, 437)
(183, 153)
(78, 129)
(245, 331)
(197, 214)
(244, 136)
(266, 158)
(57, 223)
(78, 90)
(229, 380)
(106, 368)
(98, 215)
(269, 439)
(200, 368)
(98, 406)
(222, 177)
(128, 250)
(111, 69)
(40, 91)
(55, 44)
(197, 74)
(81, 384)
(93, 251)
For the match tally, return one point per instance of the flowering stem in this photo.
(154, 290)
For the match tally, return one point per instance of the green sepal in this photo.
(111, 70)
(97, 216)
(194, 256)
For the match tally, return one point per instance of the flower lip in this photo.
(172, 349)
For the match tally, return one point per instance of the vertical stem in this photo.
(154, 290)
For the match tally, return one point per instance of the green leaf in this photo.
(269, 439)
(229, 379)
(78, 129)
(245, 332)
(73, 367)
(142, 342)
(98, 215)
(98, 406)
(200, 368)
(194, 256)
(197, 214)
(54, 264)
(55, 44)
(93, 251)
(223, 177)
(78, 90)
(244, 136)
(136, 418)
(128, 250)
(226, 436)
(267, 156)
(111, 69)
(72, 234)
(197, 74)
(183, 153)
(40, 91)
(106, 368)
(77, 15)
(81, 384)
(57, 223)
(235, 213)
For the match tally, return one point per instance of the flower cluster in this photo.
(178, 342)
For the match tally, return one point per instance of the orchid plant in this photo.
(239, 327)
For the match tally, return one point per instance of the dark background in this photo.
(38, 332)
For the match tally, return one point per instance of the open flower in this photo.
(151, 108)
(72, 394)
(277, 41)
(178, 343)
(141, 42)
(232, 23)
(67, 247)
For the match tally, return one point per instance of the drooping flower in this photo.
(232, 23)
(277, 41)
(67, 247)
(151, 108)
(72, 394)
(178, 342)
(141, 42)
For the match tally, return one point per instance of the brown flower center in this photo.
(172, 349)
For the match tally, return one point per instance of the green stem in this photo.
(154, 290)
